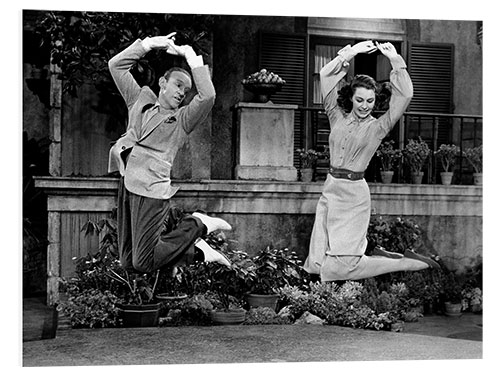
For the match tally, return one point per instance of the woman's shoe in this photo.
(413, 255)
(380, 251)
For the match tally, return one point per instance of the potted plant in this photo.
(389, 158)
(415, 155)
(308, 159)
(263, 84)
(137, 304)
(139, 307)
(452, 294)
(228, 286)
(447, 154)
(474, 155)
(472, 299)
(274, 268)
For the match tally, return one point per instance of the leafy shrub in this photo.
(396, 235)
(194, 310)
(90, 308)
(264, 315)
(275, 268)
(337, 305)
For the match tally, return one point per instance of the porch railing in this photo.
(435, 128)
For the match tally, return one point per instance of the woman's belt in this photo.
(346, 174)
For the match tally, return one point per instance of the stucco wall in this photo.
(468, 70)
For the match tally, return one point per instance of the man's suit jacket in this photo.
(151, 147)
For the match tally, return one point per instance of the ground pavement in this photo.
(432, 338)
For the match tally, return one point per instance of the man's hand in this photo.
(168, 43)
(159, 42)
(186, 51)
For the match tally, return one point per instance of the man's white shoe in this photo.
(210, 254)
(212, 223)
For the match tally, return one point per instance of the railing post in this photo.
(461, 149)
(435, 133)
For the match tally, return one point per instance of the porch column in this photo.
(264, 142)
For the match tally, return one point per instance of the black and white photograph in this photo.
(250, 188)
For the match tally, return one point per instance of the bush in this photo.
(264, 315)
(396, 235)
(90, 308)
(194, 310)
(275, 268)
(343, 305)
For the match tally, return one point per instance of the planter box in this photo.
(263, 300)
(232, 316)
(139, 315)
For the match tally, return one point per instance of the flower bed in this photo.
(380, 303)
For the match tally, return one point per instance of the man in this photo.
(156, 128)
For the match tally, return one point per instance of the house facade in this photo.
(444, 59)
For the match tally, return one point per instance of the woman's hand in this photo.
(387, 49)
(365, 47)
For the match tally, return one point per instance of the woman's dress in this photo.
(338, 240)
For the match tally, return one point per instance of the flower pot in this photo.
(386, 176)
(139, 315)
(416, 177)
(171, 297)
(478, 178)
(262, 91)
(476, 308)
(453, 309)
(231, 316)
(306, 174)
(263, 300)
(446, 178)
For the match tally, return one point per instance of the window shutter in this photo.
(431, 70)
(285, 54)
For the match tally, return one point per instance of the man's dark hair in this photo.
(175, 69)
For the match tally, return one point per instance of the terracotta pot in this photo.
(139, 315)
(263, 300)
(453, 309)
(416, 177)
(386, 176)
(231, 316)
(306, 174)
(478, 178)
(446, 178)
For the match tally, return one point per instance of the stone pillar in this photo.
(264, 142)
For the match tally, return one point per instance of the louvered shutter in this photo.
(431, 70)
(285, 55)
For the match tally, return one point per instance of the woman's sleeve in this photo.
(401, 94)
(331, 75)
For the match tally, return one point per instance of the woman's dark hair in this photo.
(382, 93)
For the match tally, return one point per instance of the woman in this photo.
(338, 240)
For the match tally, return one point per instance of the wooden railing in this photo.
(435, 128)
